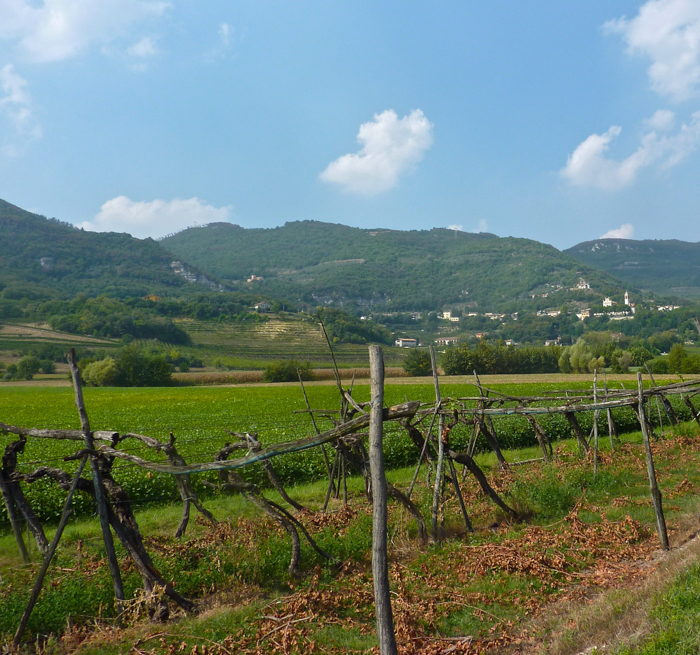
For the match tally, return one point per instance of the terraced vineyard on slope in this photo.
(252, 345)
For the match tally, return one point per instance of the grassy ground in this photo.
(509, 586)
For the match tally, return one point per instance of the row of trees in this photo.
(585, 356)
(343, 328)
(26, 368)
(486, 358)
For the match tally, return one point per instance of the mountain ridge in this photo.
(669, 266)
(318, 262)
(46, 257)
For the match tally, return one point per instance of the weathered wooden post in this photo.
(439, 473)
(612, 430)
(655, 493)
(595, 425)
(380, 562)
(14, 521)
(39, 582)
(672, 416)
(97, 480)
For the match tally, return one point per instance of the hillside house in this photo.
(607, 302)
(262, 307)
(446, 341)
(406, 343)
(581, 286)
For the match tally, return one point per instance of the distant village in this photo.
(626, 312)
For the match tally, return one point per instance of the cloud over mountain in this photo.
(391, 148)
(154, 219)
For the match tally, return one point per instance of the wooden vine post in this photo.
(380, 562)
(439, 472)
(97, 481)
(39, 582)
(595, 425)
(655, 493)
(14, 520)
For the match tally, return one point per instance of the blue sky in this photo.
(559, 122)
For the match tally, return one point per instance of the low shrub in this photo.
(288, 370)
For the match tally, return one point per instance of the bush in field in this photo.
(640, 355)
(579, 358)
(131, 368)
(621, 360)
(142, 369)
(659, 365)
(27, 367)
(48, 366)
(103, 373)
(679, 361)
(288, 371)
(417, 363)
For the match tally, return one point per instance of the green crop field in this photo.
(579, 528)
(200, 416)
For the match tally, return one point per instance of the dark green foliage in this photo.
(343, 328)
(666, 266)
(109, 317)
(640, 355)
(659, 365)
(288, 371)
(401, 270)
(77, 261)
(487, 358)
(48, 366)
(132, 367)
(418, 363)
(680, 361)
(25, 369)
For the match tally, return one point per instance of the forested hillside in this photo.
(665, 266)
(43, 258)
(313, 261)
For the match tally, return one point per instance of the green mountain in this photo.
(665, 266)
(317, 263)
(45, 258)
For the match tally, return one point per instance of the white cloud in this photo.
(456, 228)
(59, 29)
(625, 231)
(391, 147)
(662, 120)
(146, 47)
(483, 226)
(668, 33)
(225, 35)
(17, 108)
(589, 165)
(154, 219)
